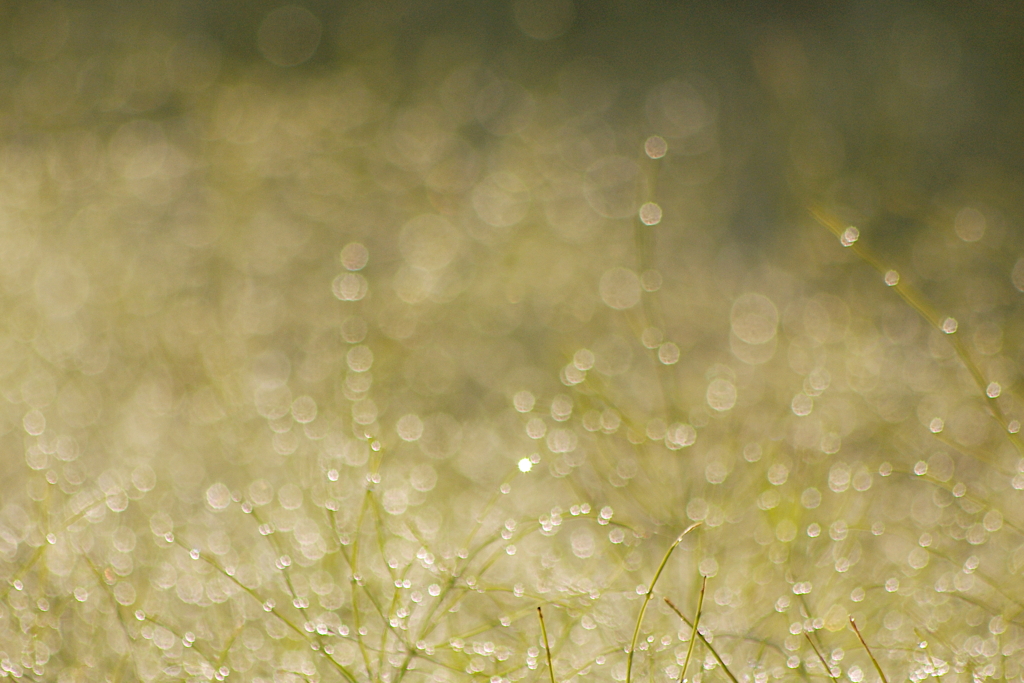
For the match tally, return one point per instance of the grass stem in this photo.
(916, 300)
(693, 633)
(647, 599)
(714, 652)
(863, 642)
(821, 658)
(547, 645)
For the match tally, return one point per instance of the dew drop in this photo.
(218, 496)
(354, 256)
(656, 147)
(949, 325)
(650, 214)
(721, 395)
(668, 353)
(583, 360)
(993, 390)
(350, 287)
(802, 405)
(892, 278)
(849, 236)
(523, 401)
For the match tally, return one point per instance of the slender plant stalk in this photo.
(714, 652)
(547, 646)
(849, 235)
(647, 599)
(821, 658)
(863, 642)
(273, 610)
(693, 632)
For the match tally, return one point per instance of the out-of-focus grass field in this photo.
(337, 338)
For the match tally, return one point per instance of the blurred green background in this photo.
(358, 302)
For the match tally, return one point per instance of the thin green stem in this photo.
(647, 599)
(707, 644)
(547, 645)
(821, 658)
(272, 609)
(878, 667)
(916, 300)
(693, 633)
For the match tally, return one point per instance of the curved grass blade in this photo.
(647, 599)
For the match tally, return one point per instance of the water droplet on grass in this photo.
(650, 214)
(656, 147)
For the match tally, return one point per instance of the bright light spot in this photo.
(892, 278)
(949, 325)
(525, 465)
(993, 390)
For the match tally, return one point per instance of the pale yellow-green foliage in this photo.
(336, 341)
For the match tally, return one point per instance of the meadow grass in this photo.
(306, 380)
